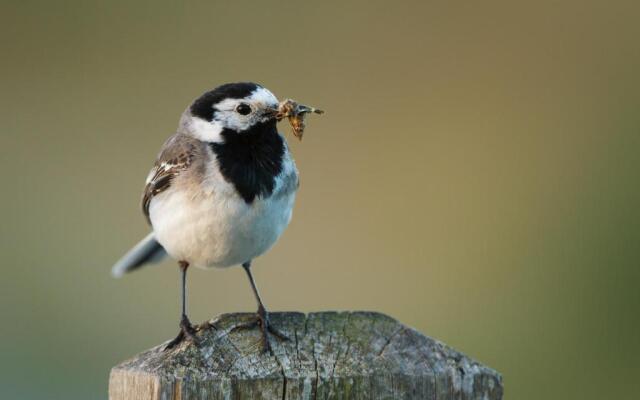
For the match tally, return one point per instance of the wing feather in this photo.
(176, 156)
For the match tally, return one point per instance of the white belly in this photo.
(218, 228)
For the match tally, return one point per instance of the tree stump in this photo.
(329, 355)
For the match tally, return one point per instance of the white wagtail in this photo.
(222, 189)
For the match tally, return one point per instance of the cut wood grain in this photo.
(330, 355)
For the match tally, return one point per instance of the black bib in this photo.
(251, 159)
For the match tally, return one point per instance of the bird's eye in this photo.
(243, 109)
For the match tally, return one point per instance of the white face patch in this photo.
(200, 129)
(259, 101)
(227, 116)
(207, 131)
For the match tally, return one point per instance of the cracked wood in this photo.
(330, 355)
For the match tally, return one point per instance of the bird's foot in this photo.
(266, 328)
(187, 332)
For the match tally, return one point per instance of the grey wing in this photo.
(177, 155)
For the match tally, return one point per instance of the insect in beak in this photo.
(296, 114)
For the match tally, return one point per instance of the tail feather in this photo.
(148, 250)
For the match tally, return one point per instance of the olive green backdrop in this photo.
(475, 176)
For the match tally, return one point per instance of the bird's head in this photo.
(232, 108)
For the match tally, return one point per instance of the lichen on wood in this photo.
(330, 355)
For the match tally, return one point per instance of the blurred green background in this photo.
(475, 176)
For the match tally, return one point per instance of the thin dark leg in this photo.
(183, 275)
(262, 314)
(247, 268)
(186, 329)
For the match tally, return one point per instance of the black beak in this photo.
(271, 113)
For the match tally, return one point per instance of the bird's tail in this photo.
(148, 250)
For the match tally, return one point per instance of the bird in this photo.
(220, 193)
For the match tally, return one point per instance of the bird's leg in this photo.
(187, 331)
(262, 319)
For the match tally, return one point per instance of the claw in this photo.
(187, 332)
(262, 321)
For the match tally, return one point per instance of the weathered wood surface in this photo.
(331, 355)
